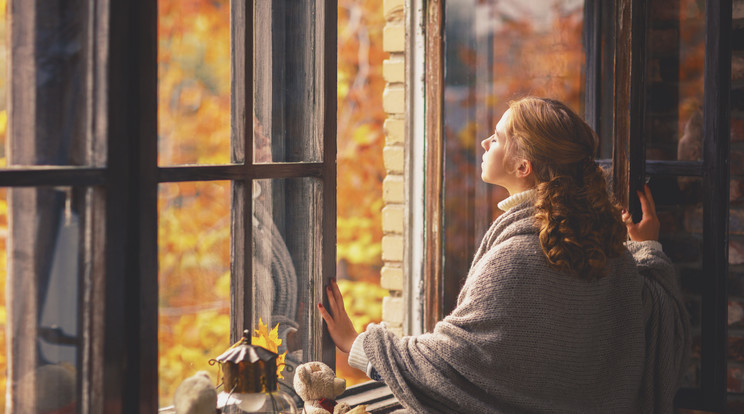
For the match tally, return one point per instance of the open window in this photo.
(92, 203)
(654, 80)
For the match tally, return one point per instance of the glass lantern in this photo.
(250, 381)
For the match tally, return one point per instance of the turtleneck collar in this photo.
(517, 199)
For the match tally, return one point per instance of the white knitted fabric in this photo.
(516, 199)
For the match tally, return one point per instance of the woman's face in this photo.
(493, 169)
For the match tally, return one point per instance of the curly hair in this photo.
(580, 224)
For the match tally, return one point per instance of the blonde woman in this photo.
(560, 313)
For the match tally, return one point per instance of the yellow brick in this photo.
(395, 131)
(394, 70)
(394, 159)
(392, 219)
(392, 310)
(393, 10)
(393, 189)
(394, 99)
(392, 248)
(391, 278)
(394, 38)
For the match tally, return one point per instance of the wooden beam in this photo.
(433, 230)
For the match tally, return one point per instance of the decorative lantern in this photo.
(249, 381)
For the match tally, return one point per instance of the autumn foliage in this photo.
(194, 127)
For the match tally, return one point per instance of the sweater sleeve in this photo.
(667, 326)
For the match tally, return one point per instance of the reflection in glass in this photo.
(46, 269)
(286, 259)
(193, 82)
(679, 204)
(676, 55)
(496, 51)
(193, 280)
(49, 74)
(288, 83)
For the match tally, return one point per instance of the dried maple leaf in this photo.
(271, 341)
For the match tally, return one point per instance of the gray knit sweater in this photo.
(525, 338)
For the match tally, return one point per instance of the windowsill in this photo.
(376, 395)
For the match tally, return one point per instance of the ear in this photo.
(524, 168)
(303, 373)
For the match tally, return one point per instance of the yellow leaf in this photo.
(270, 340)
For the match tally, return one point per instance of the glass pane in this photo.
(46, 268)
(193, 82)
(3, 278)
(287, 266)
(3, 203)
(288, 82)
(193, 280)
(679, 204)
(360, 141)
(676, 56)
(496, 51)
(49, 120)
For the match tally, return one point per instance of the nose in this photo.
(485, 142)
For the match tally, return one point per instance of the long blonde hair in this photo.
(579, 223)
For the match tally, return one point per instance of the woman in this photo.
(558, 312)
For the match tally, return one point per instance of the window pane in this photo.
(47, 265)
(288, 82)
(679, 202)
(360, 166)
(496, 51)
(676, 56)
(193, 82)
(50, 101)
(3, 203)
(193, 280)
(287, 265)
(3, 277)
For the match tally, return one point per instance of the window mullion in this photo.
(716, 133)
(329, 30)
(131, 289)
(241, 141)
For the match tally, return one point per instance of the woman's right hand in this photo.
(339, 324)
(648, 227)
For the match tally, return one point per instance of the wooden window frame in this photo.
(621, 113)
(119, 368)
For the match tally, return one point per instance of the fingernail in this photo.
(320, 306)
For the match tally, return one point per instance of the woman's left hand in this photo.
(648, 227)
(339, 324)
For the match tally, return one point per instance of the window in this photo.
(657, 90)
(496, 52)
(85, 180)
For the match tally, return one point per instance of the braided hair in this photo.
(579, 222)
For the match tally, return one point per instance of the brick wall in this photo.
(393, 187)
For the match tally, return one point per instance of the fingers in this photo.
(648, 207)
(335, 299)
(326, 316)
(626, 217)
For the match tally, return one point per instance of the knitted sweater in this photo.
(525, 338)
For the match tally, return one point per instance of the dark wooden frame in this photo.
(621, 113)
(715, 172)
(630, 169)
(119, 372)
